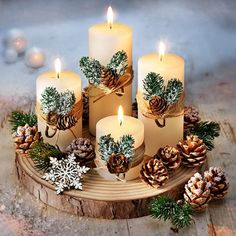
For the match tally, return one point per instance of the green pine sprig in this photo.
(19, 118)
(207, 131)
(119, 63)
(153, 85)
(108, 146)
(173, 91)
(92, 69)
(41, 152)
(166, 208)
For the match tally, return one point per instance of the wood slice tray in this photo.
(100, 198)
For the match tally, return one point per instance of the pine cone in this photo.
(219, 183)
(197, 192)
(154, 173)
(169, 156)
(83, 150)
(85, 100)
(158, 105)
(192, 151)
(117, 163)
(109, 78)
(25, 137)
(191, 117)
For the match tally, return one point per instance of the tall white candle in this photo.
(104, 41)
(169, 66)
(62, 81)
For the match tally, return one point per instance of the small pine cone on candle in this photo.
(154, 173)
(83, 149)
(197, 192)
(25, 137)
(192, 151)
(109, 78)
(170, 157)
(219, 182)
(117, 163)
(158, 105)
(85, 100)
(191, 117)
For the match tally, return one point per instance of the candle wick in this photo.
(161, 58)
(58, 75)
(110, 26)
(121, 123)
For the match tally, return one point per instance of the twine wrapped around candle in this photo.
(174, 110)
(123, 81)
(136, 162)
(60, 122)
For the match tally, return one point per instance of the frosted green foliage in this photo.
(173, 91)
(66, 103)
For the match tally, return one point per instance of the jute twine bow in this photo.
(55, 122)
(174, 110)
(136, 160)
(123, 81)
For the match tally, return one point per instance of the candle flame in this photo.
(120, 115)
(162, 49)
(109, 17)
(58, 67)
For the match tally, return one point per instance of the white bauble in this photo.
(16, 39)
(10, 55)
(35, 57)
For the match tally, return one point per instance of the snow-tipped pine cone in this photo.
(191, 117)
(83, 150)
(158, 105)
(117, 163)
(197, 192)
(109, 78)
(154, 173)
(170, 157)
(192, 151)
(25, 137)
(219, 182)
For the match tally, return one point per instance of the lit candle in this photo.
(62, 81)
(169, 66)
(104, 41)
(117, 126)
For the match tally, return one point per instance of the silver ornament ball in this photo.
(35, 57)
(16, 39)
(10, 55)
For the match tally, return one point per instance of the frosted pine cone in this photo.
(109, 78)
(197, 192)
(25, 137)
(219, 182)
(191, 117)
(83, 150)
(117, 163)
(154, 173)
(192, 151)
(170, 157)
(158, 105)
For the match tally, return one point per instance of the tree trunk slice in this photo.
(100, 198)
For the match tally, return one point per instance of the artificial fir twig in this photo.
(19, 118)
(41, 152)
(180, 214)
(207, 131)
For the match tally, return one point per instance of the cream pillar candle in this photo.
(168, 66)
(104, 41)
(118, 126)
(62, 81)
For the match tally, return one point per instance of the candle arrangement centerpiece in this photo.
(129, 159)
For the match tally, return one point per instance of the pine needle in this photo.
(19, 118)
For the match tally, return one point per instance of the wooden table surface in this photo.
(204, 32)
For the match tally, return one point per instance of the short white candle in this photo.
(62, 81)
(104, 41)
(169, 66)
